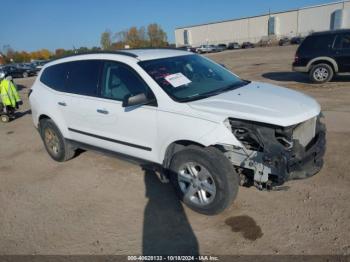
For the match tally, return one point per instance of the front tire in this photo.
(55, 144)
(25, 75)
(204, 179)
(321, 73)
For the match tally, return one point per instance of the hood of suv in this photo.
(261, 102)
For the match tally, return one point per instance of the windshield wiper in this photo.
(230, 87)
(216, 92)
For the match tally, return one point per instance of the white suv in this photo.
(200, 125)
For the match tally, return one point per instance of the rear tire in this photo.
(5, 118)
(321, 73)
(204, 179)
(55, 144)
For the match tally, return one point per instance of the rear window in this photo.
(317, 43)
(55, 77)
(83, 77)
(342, 41)
(78, 77)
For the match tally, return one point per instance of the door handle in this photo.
(102, 111)
(62, 104)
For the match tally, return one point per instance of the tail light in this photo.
(296, 58)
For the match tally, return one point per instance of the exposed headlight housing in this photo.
(254, 135)
(245, 134)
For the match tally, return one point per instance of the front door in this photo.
(131, 130)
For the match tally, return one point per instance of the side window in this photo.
(342, 41)
(83, 77)
(55, 76)
(119, 81)
(315, 43)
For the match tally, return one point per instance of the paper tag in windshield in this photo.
(177, 79)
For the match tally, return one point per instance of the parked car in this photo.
(29, 67)
(296, 40)
(39, 64)
(192, 49)
(198, 124)
(247, 45)
(284, 41)
(221, 47)
(323, 55)
(187, 48)
(206, 49)
(233, 45)
(14, 71)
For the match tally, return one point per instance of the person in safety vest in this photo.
(9, 97)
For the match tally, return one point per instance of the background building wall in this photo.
(316, 19)
(290, 23)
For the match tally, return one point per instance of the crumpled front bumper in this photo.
(309, 162)
(273, 163)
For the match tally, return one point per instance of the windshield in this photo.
(191, 77)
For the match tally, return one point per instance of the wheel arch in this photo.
(323, 60)
(176, 146)
(43, 116)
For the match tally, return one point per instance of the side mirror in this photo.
(139, 99)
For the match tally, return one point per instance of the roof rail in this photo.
(335, 31)
(98, 52)
(152, 48)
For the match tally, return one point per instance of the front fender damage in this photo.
(271, 155)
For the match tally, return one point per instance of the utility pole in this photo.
(297, 22)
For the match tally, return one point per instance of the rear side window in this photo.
(78, 77)
(83, 77)
(342, 41)
(55, 77)
(317, 42)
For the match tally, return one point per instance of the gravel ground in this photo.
(96, 204)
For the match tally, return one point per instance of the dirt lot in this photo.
(95, 204)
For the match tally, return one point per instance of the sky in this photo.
(35, 24)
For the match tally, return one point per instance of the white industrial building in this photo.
(299, 22)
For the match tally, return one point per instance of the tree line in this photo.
(151, 36)
(11, 56)
(135, 37)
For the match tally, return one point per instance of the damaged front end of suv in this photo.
(271, 154)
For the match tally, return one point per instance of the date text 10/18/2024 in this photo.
(173, 258)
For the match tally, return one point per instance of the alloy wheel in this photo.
(321, 74)
(52, 141)
(196, 183)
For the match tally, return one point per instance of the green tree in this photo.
(95, 48)
(82, 49)
(106, 40)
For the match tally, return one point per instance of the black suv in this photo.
(324, 54)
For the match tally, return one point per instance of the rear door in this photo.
(341, 51)
(79, 101)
